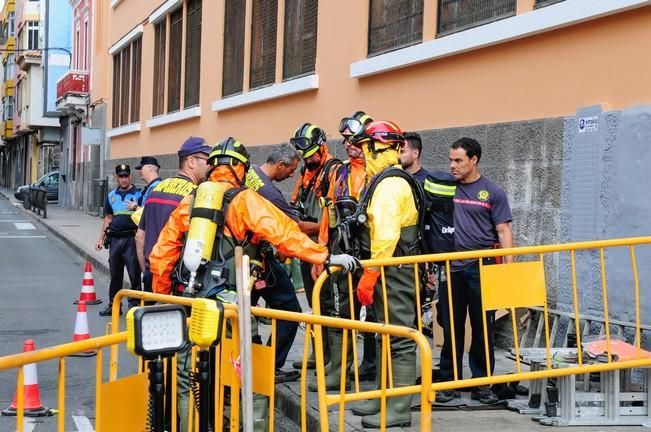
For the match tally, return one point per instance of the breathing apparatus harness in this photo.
(303, 192)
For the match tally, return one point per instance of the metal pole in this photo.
(242, 277)
(157, 393)
(203, 367)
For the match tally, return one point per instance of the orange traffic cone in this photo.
(88, 287)
(81, 329)
(33, 406)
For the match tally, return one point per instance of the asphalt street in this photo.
(40, 277)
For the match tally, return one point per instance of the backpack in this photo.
(438, 218)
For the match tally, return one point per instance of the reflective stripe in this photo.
(439, 189)
(125, 212)
(227, 296)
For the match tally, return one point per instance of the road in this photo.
(40, 279)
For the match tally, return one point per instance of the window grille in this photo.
(299, 57)
(264, 25)
(543, 3)
(394, 24)
(233, 72)
(160, 41)
(126, 84)
(458, 15)
(192, 54)
(174, 67)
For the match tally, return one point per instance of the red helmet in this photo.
(384, 132)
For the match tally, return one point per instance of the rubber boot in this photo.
(367, 369)
(311, 360)
(398, 407)
(371, 406)
(260, 412)
(333, 371)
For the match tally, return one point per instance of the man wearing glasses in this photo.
(166, 196)
(118, 234)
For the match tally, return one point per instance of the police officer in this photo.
(118, 234)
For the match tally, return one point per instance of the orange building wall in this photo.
(549, 75)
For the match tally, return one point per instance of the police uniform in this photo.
(122, 231)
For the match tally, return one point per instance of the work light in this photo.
(154, 331)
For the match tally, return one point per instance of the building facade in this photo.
(40, 56)
(540, 83)
(80, 143)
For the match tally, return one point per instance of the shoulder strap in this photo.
(325, 174)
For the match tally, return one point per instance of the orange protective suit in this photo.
(248, 212)
(305, 178)
(350, 184)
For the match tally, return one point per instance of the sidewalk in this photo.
(80, 232)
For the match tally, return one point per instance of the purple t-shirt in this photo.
(258, 181)
(478, 207)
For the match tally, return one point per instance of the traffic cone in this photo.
(32, 406)
(88, 287)
(81, 329)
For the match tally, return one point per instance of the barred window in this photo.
(263, 42)
(193, 54)
(174, 65)
(394, 24)
(160, 40)
(233, 72)
(458, 15)
(126, 84)
(543, 3)
(300, 37)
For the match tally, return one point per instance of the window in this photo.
(233, 73)
(159, 67)
(8, 112)
(77, 49)
(168, 58)
(85, 45)
(394, 24)
(9, 67)
(12, 24)
(300, 38)
(126, 84)
(458, 15)
(32, 35)
(193, 54)
(174, 64)
(543, 3)
(264, 24)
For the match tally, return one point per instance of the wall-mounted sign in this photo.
(588, 124)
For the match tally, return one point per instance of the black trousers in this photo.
(466, 299)
(122, 253)
(279, 294)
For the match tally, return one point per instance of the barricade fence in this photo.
(514, 287)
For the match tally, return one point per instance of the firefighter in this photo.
(319, 165)
(338, 232)
(390, 226)
(246, 216)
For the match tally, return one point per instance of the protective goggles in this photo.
(304, 146)
(350, 126)
(383, 137)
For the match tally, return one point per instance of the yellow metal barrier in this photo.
(505, 286)
(229, 352)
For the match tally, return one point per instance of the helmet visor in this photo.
(303, 146)
(350, 126)
(388, 137)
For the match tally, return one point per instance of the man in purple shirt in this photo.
(409, 156)
(482, 220)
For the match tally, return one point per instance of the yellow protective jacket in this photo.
(248, 212)
(392, 208)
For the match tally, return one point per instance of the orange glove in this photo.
(366, 286)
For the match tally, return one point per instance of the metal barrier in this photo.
(230, 351)
(36, 199)
(514, 286)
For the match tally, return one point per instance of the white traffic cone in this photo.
(32, 397)
(81, 329)
(88, 287)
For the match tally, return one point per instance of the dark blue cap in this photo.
(147, 160)
(194, 145)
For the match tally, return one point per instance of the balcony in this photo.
(72, 92)
(26, 59)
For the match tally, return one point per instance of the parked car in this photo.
(50, 181)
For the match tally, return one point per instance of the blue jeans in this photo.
(466, 298)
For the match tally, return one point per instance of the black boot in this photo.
(108, 310)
